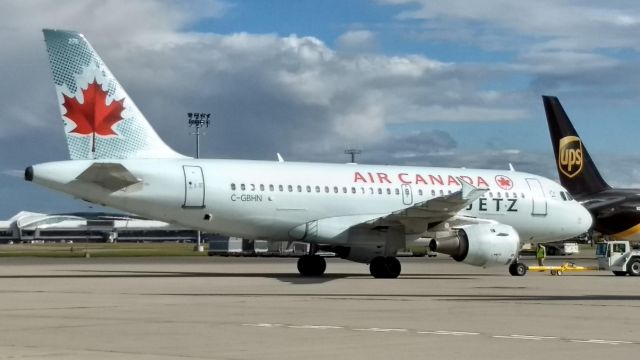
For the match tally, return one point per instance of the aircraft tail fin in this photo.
(577, 172)
(100, 119)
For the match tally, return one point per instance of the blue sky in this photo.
(433, 83)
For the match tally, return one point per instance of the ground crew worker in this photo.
(541, 253)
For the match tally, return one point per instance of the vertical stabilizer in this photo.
(577, 172)
(100, 119)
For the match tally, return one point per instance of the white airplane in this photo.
(363, 213)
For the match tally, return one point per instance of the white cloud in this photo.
(356, 40)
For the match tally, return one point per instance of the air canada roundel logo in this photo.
(93, 117)
(504, 182)
(570, 156)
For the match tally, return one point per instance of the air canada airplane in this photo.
(363, 213)
(616, 212)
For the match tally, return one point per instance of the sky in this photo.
(431, 83)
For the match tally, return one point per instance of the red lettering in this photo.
(371, 177)
(452, 181)
(382, 177)
(420, 180)
(435, 179)
(482, 183)
(402, 179)
(358, 177)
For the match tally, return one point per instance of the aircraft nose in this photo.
(585, 219)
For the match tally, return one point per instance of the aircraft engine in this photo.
(480, 244)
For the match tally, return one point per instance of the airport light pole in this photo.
(353, 153)
(198, 120)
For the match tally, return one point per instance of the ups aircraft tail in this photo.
(100, 119)
(577, 172)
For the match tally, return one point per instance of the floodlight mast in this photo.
(353, 153)
(198, 120)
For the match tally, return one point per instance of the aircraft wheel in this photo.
(385, 267)
(518, 269)
(311, 265)
(633, 268)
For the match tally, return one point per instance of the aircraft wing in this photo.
(111, 176)
(435, 210)
(415, 219)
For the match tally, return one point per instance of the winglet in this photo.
(470, 192)
(511, 168)
(280, 159)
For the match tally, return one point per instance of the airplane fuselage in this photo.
(268, 200)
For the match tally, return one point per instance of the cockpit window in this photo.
(563, 196)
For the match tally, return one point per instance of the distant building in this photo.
(92, 227)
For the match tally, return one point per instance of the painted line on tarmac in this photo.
(443, 332)
(375, 329)
(320, 327)
(600, 341)
(524, 337)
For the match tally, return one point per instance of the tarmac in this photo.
(259, 308)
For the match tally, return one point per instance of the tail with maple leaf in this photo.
(100, 119)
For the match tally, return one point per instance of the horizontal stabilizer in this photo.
(110, 176)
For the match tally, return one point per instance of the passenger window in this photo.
(290, 188)
(388, 191)
(299, 188)
(233, 186)
(281, 188)
(242, 187)
(308, 188)
(353, 190)
(441, 193)
(344, 189)
(362, 189)
(397, 191)
(379, 191)
(498, 195)
(420, 192)
(326, 189)
(515, 195)
(522, 195)
(433, 193)
(271, 187)
(335, 189)
(253, 187)
(449, 192)
(490, 194)
(506, 195)
(317, 189)
(261, 187)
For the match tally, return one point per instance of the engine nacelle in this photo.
(480, 244)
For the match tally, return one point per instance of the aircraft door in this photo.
(407, 194)
(193, 187)
(539, 200)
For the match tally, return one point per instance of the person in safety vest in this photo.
(541, 253)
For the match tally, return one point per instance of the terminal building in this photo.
(28, 227)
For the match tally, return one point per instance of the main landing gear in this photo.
(517, 269)
(385, 267)
(311, 265)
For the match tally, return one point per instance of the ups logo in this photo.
(570, 156)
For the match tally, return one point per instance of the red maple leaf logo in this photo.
(504, 182)
(93, 117)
